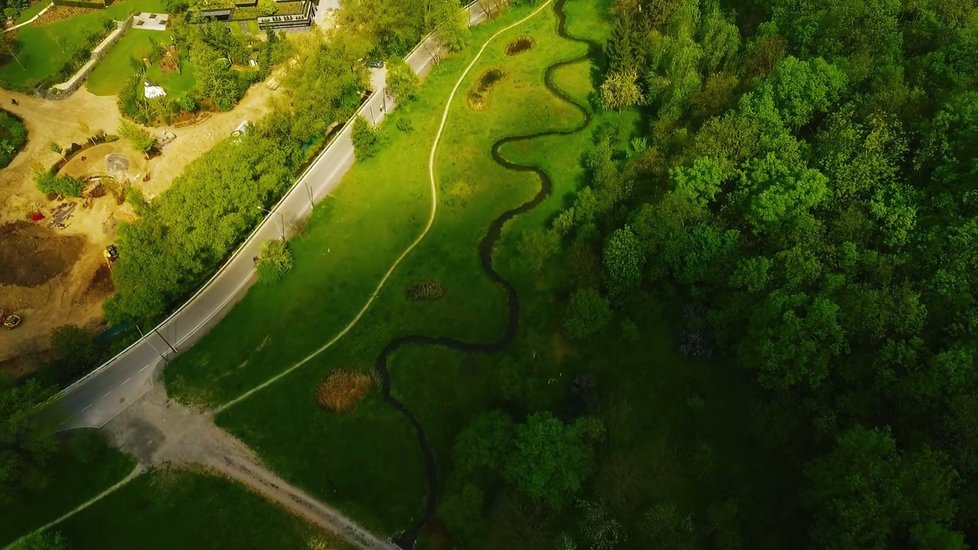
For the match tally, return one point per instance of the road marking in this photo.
(144, 368)
(88, 407)
(127, 381)
(106, 395)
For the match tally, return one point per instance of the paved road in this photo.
(114, 386)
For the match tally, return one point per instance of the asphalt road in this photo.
(114, 386)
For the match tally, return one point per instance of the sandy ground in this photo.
(193, 141)
(71, 297)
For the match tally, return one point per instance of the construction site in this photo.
(54, 269)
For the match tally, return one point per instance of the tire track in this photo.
(486, 247)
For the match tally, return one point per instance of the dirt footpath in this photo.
(158, 431)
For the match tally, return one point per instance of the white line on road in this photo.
(106, 395)
(144, 368)
(88, 407)
(127, 381)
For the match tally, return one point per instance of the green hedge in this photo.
(13, 136)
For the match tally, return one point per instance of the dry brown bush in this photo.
(426, 290)
(343, 389)
(519, 45)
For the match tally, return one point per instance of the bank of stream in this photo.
(487, 245)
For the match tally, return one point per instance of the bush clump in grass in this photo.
(342, 390)
(519, 46)
(402, 82)
(275, 260)
(366, 139)
(479, 96)
(426, 290)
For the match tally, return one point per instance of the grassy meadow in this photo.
(112, 73)
(43, 50)
(84, 466)
(666, 416)
(185, 509)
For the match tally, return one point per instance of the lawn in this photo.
(347, 246)
(664, 413)
(44, 50)
(84, 466)
(112, 73)
(32, 10)
(340, 258)
(183, 509)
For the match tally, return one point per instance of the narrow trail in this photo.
(486, 248)
(414, 244)
(136, 472)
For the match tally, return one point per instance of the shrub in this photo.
(426, 290)
(275, 260)
(187, 103)
(40, 540)
(72, 353)
(587, 313)
(13, 136)
(139, 138)
(404, 124)
(52, 184)
(366, 141)
(342, 390)
(402, 83)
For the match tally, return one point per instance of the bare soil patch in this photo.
(478, 98)
(171, 59)
(101, 284)
(343, 389)
(519, 45)
(31, 255)
(426, 290)
(60, 13)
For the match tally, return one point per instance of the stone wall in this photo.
(68, 87)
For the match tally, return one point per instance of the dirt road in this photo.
(158, 431)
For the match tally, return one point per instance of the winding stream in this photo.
(486, 247)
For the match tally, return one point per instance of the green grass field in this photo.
(182, 509)
(84, 466)
(348, 245)
(111, 74)
(664, 413)
(43, 50)
(31, 11)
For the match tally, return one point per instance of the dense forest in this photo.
(807, 189)
(802, 197)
